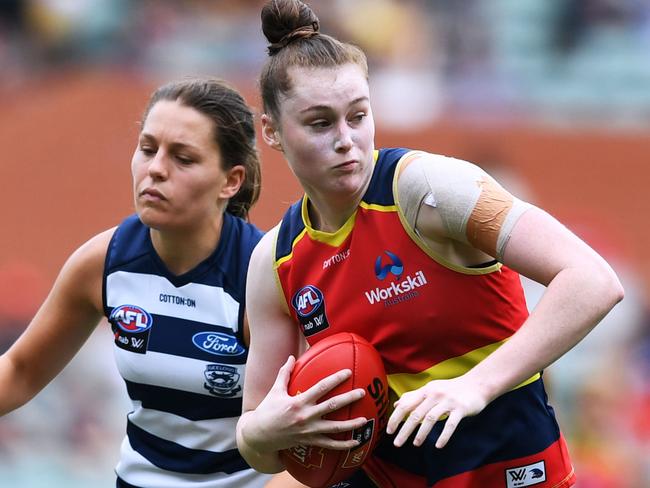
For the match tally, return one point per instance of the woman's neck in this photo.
(329, 217)
(184, 249)
(329, 211)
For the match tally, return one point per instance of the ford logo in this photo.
(218, 343)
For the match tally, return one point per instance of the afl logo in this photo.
(131, 318)
(307, 300)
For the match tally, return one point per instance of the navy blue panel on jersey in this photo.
(184, 404)
(120, 483)
(502, 431)
(196, 340)
(174, 457)
(378, 192)
(292, 221)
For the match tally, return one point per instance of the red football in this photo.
(319, 467)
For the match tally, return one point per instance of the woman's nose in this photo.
(343, 141)
(158, 166)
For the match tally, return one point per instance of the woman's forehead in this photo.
(326, 86)
(175, 117)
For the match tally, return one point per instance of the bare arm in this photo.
(581, 290)
(272, 419)
(61, 326)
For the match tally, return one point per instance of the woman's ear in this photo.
(270, 133)
(234, 180)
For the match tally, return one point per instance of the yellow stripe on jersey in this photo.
(400, 383)
(379, 208)
(286, 258)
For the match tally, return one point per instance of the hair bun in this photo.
(284, 21)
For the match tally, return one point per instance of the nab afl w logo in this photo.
(307, 300)
(131, 326)
(131, 318)
(309, 304)
(394, 266)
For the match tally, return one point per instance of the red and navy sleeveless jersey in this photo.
(429, 319)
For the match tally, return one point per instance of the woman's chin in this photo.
(153, 219)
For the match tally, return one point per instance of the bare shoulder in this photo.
(82, 274)
(263, 292)
(262, 257)
(92, 253)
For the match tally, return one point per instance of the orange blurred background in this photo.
(552, 98)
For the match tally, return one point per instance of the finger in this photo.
(325, 385)
(409, 425)
(450, 427)
(402, 408)
(429, 420)
(284, 373)
(338, 426)
(395, 419)
(329, 443)
(340, 401)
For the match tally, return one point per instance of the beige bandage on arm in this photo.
(473, 207)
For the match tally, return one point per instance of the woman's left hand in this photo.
(425, 406)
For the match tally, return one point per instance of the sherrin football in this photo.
(319, 467)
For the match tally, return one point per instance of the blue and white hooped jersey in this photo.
(180, 350)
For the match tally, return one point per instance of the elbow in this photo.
(611, 289)
(264, 462)
(617, 291)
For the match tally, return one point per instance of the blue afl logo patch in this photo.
(218, 343)
(131, 318)
(307, 300)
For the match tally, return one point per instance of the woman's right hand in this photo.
(282, 421)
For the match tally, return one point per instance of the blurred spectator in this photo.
(580, 19)
(405, 55)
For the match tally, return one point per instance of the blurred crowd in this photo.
(557, 60)
(566, 62)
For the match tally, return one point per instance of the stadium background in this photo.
(552, 98)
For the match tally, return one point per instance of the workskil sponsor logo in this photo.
(394, 266)
(399, 290)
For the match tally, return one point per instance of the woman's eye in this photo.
(319, 124)
(358, 117)
(149, 151)
(184, 160)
